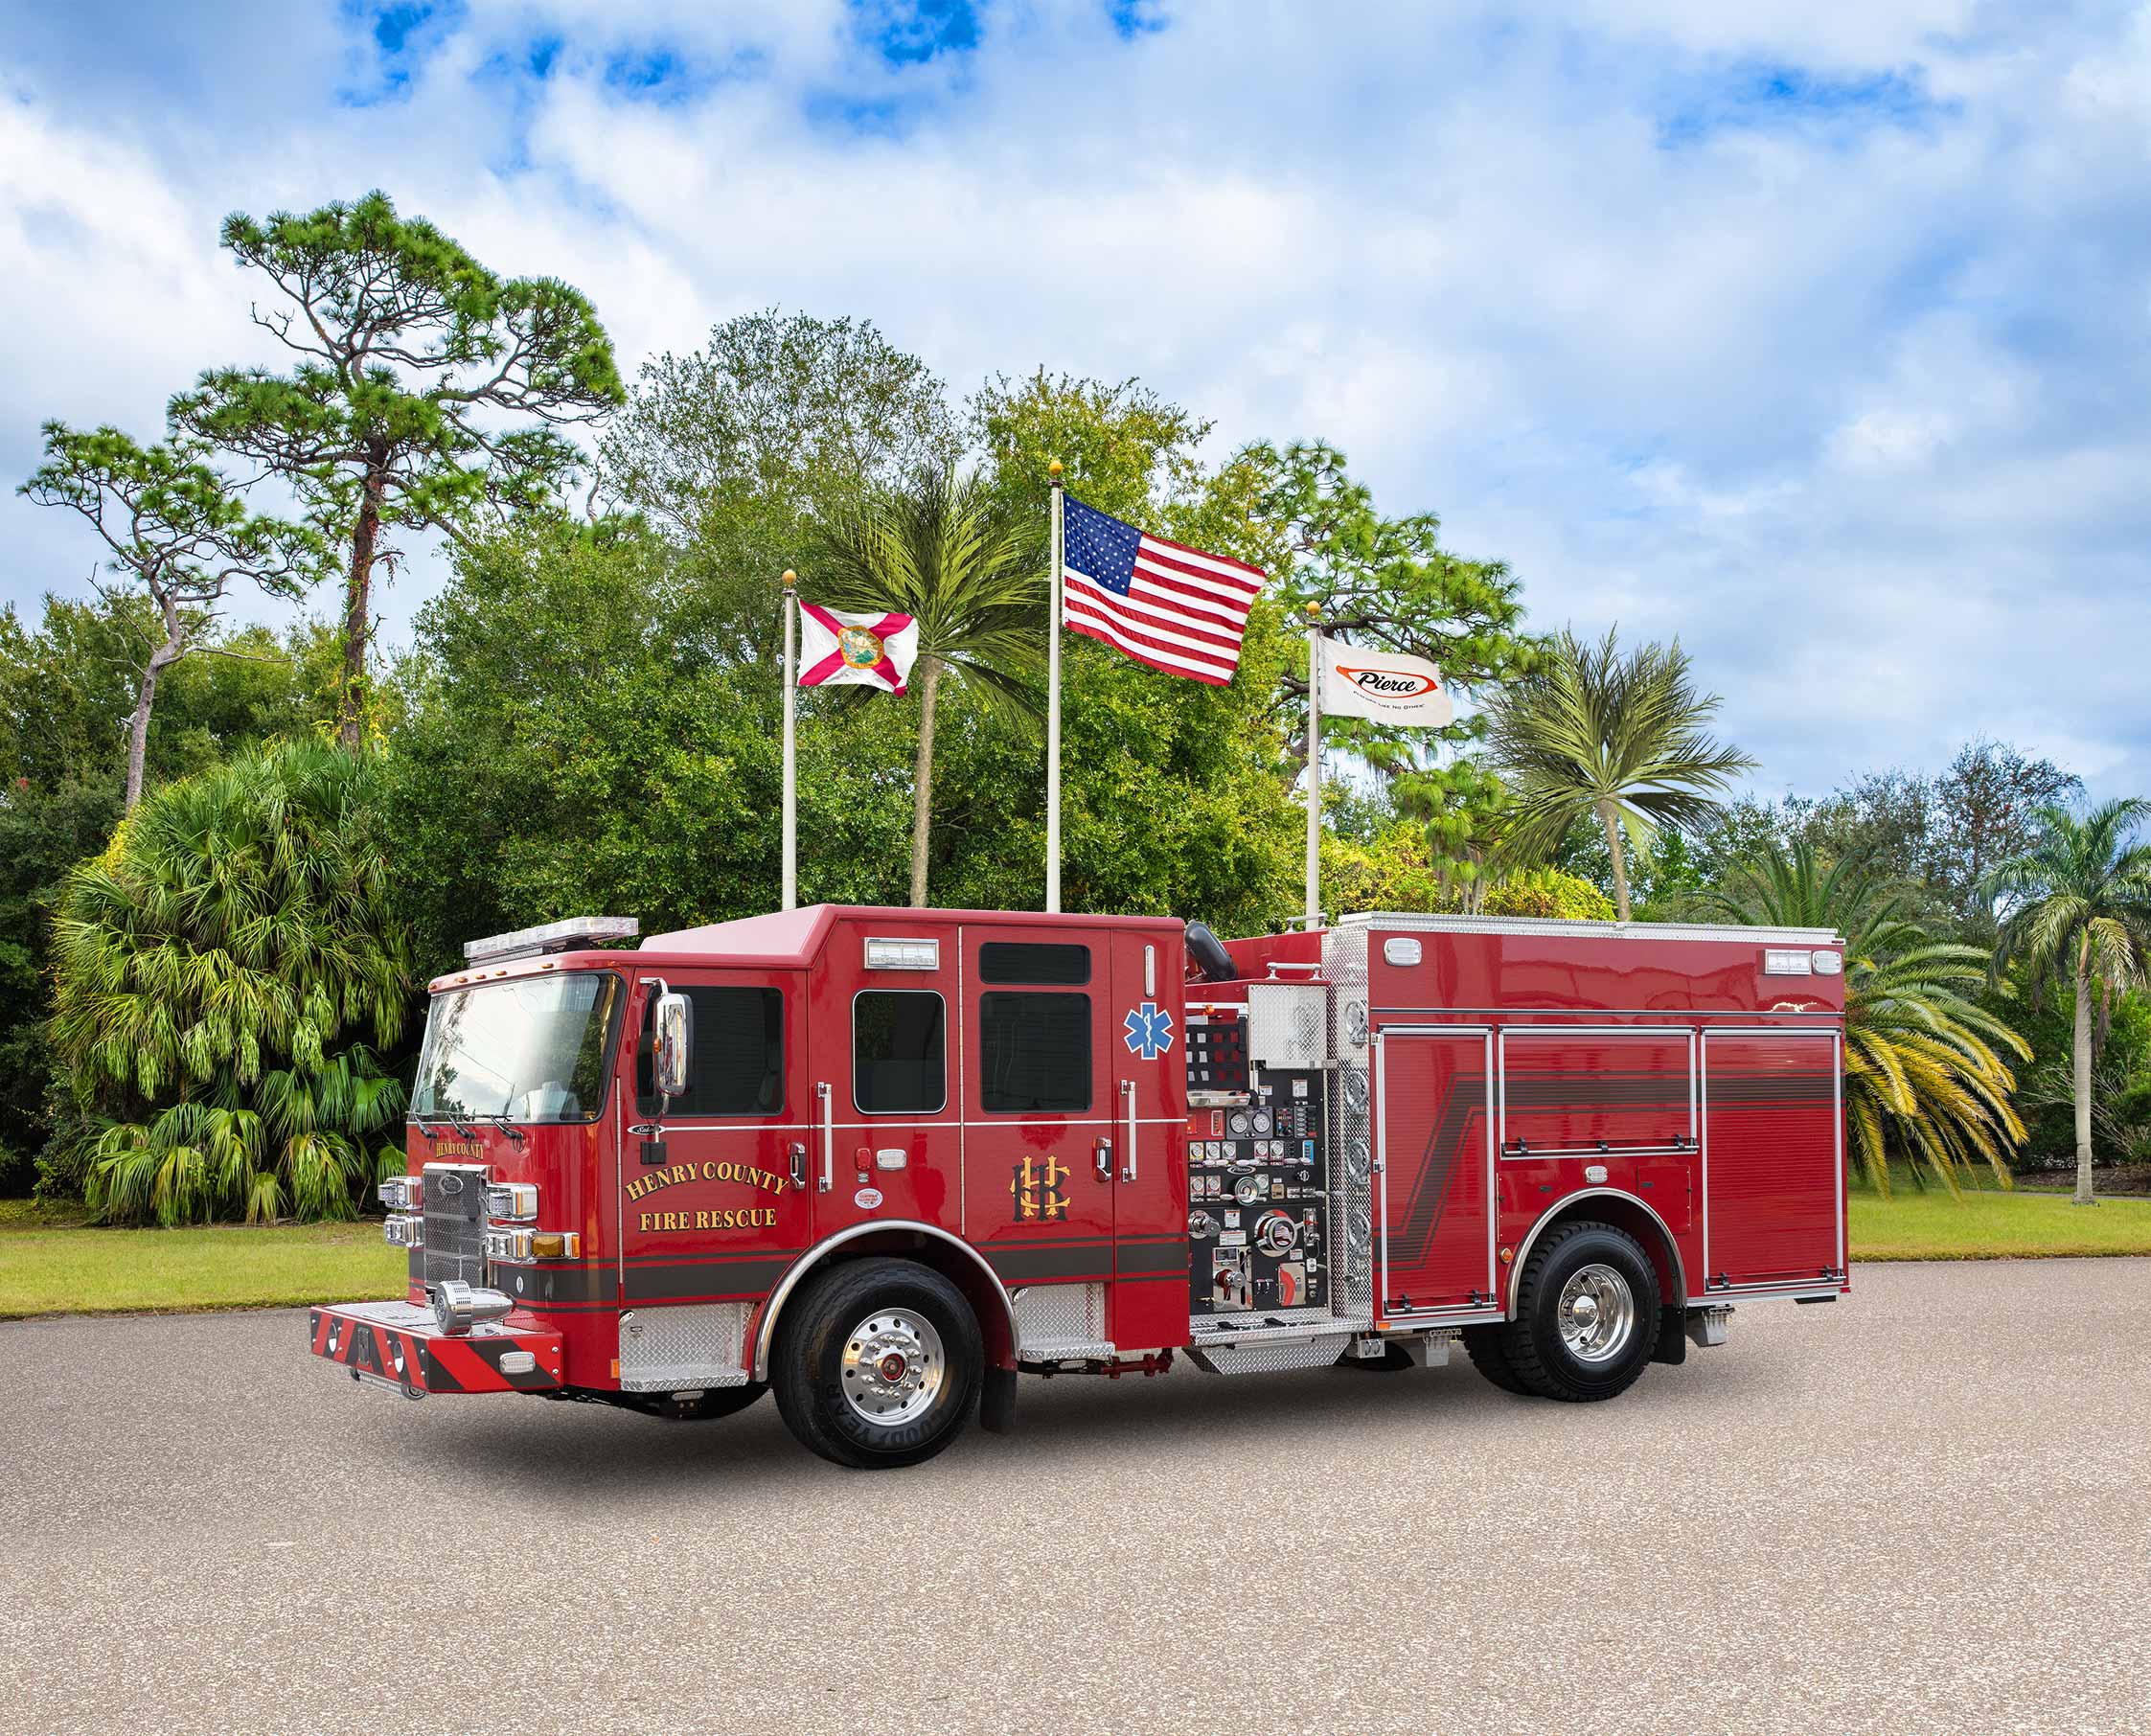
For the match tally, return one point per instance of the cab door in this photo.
(715, 1199)
(1148, 1045)
(885, 1140)
(1041, 1102)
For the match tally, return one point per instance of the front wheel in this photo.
(1587, 1315)
(878, 1363)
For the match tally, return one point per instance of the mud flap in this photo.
(997, 1402)
(1673, 1336)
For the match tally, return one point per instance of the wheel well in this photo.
(955, 1261)
(1624, 1212)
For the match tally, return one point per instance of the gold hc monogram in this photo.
(1036, 1185)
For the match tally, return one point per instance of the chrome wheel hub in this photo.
(893, 1366)
(1596, 1313)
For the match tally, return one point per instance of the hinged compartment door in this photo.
(1773, 1158)
(1434, 1157)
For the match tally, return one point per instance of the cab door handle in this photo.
(1102, 1152)
(797, 1154)
(828, 1136)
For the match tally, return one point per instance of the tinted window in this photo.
(898, 1062)
(738, 1065)
(1034, 1052)
(1033, 962)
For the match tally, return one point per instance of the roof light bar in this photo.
(550, 937)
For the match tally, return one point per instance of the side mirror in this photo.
(674, 1028)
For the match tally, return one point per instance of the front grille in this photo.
(456, 1223)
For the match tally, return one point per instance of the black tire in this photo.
(1533, 1343)
(819, 1364)
(714, 1404)
(1490, 1356)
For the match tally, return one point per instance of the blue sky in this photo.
(1818, 335)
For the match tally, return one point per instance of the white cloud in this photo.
(1815, 334)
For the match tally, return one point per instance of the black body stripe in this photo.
(702, 1278)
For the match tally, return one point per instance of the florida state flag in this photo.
(837, 647)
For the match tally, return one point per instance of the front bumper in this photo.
(396, 1344)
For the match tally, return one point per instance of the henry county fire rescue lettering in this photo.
(716, 1217)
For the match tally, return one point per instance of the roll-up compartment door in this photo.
(1568, 1093)
(1773, 1158)
(1434, 1193)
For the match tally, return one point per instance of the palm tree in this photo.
(2079, 908)
(944, 551)
(1593, 732)
(1922, 1076)
(214, 971)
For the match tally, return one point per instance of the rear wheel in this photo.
(1484, 1345)
(878, 1363)
(1587, 1315)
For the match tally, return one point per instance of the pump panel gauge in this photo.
(1262, 1121)
(1247, 1189)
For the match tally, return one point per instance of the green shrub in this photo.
(214, 973)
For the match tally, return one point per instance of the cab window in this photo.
(1034, 1052)
(738, 1065)
(899, 1055)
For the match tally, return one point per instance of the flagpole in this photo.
(1314, 765)
(790, 766)
(1053, 706)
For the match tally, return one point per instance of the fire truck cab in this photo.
(880, 1161)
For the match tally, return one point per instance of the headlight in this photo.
(403, 1193)
(406, 1231)
(511, 1199)
(457, 1307)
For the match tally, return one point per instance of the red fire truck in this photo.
(881, 1161)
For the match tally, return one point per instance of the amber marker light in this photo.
(1508, 1256)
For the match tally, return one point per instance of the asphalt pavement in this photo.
(1926, 1508)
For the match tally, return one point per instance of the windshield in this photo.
(530, 1050)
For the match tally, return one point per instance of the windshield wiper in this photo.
(501, 1121)
(450, 1117)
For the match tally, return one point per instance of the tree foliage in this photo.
(427, 390)
(172, 526)
(944, 552)
(1626, 738)
(2078, 908)
(226, 976)
(733, 449)
(1924, 1080)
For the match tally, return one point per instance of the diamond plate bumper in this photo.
(396, 1344)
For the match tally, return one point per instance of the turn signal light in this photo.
(403, 1193)
(404, 1231)
(518, 1245)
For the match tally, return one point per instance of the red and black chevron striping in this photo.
(419, 1361)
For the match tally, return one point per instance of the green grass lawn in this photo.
(50, 1264)
(1988, 1224)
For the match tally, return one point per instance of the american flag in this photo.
(1163, 603)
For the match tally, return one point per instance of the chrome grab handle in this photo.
(1128, 1095)
(828, 1136)
(797, 1154)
